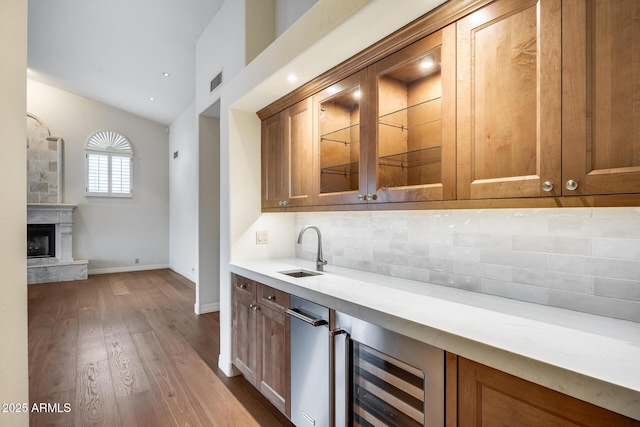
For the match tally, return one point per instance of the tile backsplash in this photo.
(583, 259)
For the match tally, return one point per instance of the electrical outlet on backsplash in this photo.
(583, 259)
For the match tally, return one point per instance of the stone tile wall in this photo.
(580, 259)
(42, 164)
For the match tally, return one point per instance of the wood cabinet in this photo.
(261, 339)
(509, 107)
(287, 147)
(341, 131)
(488, 397)
(529, 103)
(601, 96)
(412, 155)
(387, 133)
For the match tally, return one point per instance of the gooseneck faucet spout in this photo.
(320, 263)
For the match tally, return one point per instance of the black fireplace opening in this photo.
(41, 240)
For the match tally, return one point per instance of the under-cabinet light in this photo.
(292, 78)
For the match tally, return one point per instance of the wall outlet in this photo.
(262, 237)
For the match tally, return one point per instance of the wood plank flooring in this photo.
(126, 349)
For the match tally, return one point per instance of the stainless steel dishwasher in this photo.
(309, 363)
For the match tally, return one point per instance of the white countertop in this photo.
(593, 358)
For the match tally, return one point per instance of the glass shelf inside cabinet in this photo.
(411, 159)
(420, 114)
(345, 169)
(346, 135)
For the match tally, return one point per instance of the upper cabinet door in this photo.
(339, 127)
(601, 89)
(509, 100)
(287, 149)
(414, 156)
(275, 156)
(297, 123)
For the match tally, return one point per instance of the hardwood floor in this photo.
(126, 349)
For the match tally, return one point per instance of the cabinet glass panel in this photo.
(410, 123)
(339, 126)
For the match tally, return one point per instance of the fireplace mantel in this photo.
(62, 267)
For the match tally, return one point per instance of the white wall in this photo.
(14, 382)
(208, 289)
(288, 12)
(221, 47)
(183, 207)
(110, 232)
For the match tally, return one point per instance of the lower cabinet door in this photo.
(273, 357)
(489, 397)
(244, 336)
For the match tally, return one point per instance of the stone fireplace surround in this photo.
(62, 267)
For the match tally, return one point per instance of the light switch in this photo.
(262, 237)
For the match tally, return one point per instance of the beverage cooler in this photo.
(384, 378)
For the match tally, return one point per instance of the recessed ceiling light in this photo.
(292, 78)
(166, 74)
(151, 98)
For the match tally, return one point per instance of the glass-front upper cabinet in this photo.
(414, 112)
(341, 131)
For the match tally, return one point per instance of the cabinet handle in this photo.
(271, 298)
(571, 185)
(254, 307)
(282, 203)
(547, 186)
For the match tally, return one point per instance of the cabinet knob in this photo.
(282, 203)
(271, 298)
(547, 186)
(571, 185)
(243, 286)
(254, 307)
(361, 197)
(372, 197)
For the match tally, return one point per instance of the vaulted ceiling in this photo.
(117, 51)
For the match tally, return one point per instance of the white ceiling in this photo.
(116, 51)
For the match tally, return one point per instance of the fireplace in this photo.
(50, 244)
(41, 240)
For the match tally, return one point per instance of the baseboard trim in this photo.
(206, 308)
(128, 268)
(184, 273)
(227, 367)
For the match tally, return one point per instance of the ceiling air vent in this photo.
(216, 82)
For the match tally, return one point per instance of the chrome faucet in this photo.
(320, 263)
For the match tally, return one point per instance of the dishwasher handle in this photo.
(294, 312)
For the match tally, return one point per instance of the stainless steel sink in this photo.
(300, 273)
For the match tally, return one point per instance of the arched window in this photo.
(109, 165)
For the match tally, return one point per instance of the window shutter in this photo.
(98, 173)
(120, 174)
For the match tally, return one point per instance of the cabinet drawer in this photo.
(273, 298)
(244, 285)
